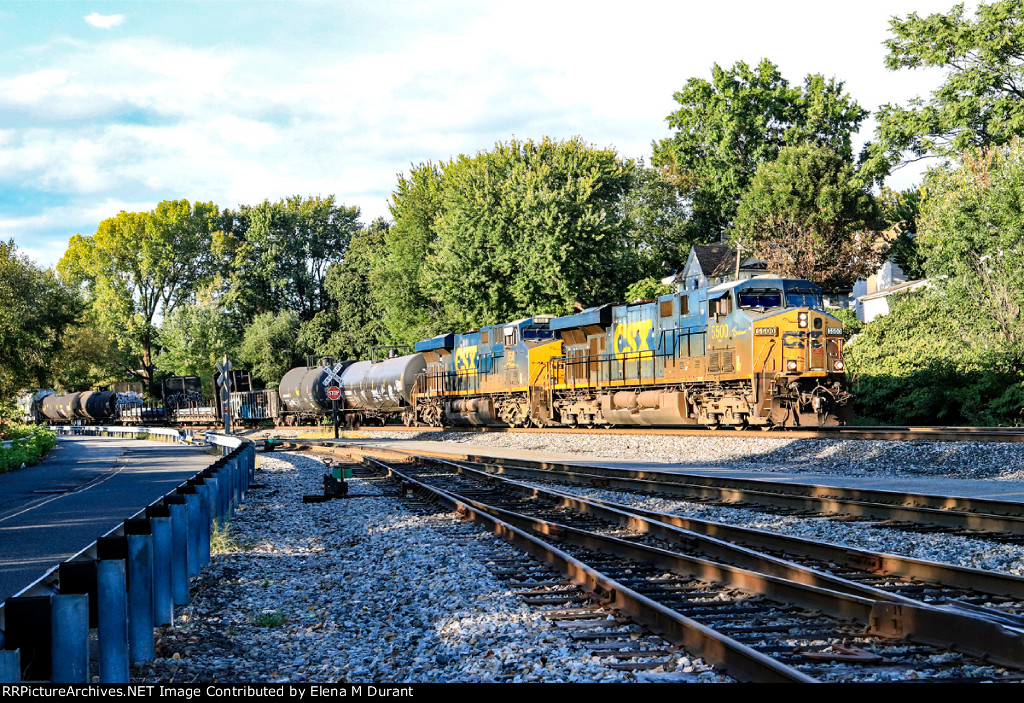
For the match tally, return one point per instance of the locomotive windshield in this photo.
(760, 298)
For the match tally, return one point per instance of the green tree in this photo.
(90, 356)
(743, 117)
(648, 289)
(657, 217)
(899, 213)
(194, 338)
(972, 234)
(981, 101)
(36, 314)
(141, 265)
(528, 228)
(808, 215)
(281, 253)
(270, 346)
(352, 323)
(406, 312)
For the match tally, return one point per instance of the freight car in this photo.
(760, 352)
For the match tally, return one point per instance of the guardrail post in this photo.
(112, 613)
(140, 590)
(203, 489)
(70, 637)
(160, 524)
(179, 547)
(10, 666)
(194, 516)
(27, 628)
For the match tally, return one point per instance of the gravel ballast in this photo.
(363, 590)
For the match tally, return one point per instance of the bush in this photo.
(28, 451)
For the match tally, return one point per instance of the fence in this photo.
(126, 582)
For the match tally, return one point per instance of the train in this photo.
(760, 352)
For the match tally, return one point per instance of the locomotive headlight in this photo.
(791, 365)
(839, 366)
(801, 319)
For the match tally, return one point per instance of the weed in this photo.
(268, 618)
(223, 539)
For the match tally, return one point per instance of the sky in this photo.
(111, 106)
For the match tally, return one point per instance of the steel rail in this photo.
(737, 659)
(868, 433)
(947, 511)
(909, 620)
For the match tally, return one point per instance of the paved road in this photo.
(84, 488)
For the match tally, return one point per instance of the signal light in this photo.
(801, 319)
(838, 366)
(791, 365)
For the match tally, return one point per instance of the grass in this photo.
(268, 618)
(224, 539)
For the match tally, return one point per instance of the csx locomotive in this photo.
(759, 352)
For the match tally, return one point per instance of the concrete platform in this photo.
(85, 487)
(992, 489)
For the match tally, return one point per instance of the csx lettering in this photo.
(465, 359)
(631, 337)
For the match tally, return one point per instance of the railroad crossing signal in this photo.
(333, 392)
(225, 393)
(333, 374)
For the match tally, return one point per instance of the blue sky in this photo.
(110, 106)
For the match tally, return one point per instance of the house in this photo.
(876, 304)
(711, 264)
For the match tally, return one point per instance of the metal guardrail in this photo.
(126, 582)
(10, 442)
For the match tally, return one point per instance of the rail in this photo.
(126, 582)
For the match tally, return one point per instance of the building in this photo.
(711, 264)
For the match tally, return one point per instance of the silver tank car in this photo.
(388, 384)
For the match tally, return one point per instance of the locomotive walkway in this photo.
(84, 488)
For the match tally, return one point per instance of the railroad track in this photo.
(893, 433)
(997, 520)
(763, 616)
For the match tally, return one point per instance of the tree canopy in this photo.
(742, 117)
(281, 252)
(35, 311)
(980, 102)
(141, 265)
(807, 215)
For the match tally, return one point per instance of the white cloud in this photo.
(104, 21)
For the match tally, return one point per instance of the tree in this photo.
(270, 346)
(656, 216)
(407, 313)
(981, 101)
(352, 323)
(807, 215)
(742, 118)
(282, 251)
(140, 265)
(972, 234)
(36, 310)
(194, 338)
(899, 213)
(530, 228)
(90, 356)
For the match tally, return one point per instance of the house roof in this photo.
(886, 292)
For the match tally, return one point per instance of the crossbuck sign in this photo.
(333, 374)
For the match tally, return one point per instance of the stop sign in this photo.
(333, 392)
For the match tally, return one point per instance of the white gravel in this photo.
(362, 590)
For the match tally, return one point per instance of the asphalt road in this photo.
(84, 488)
